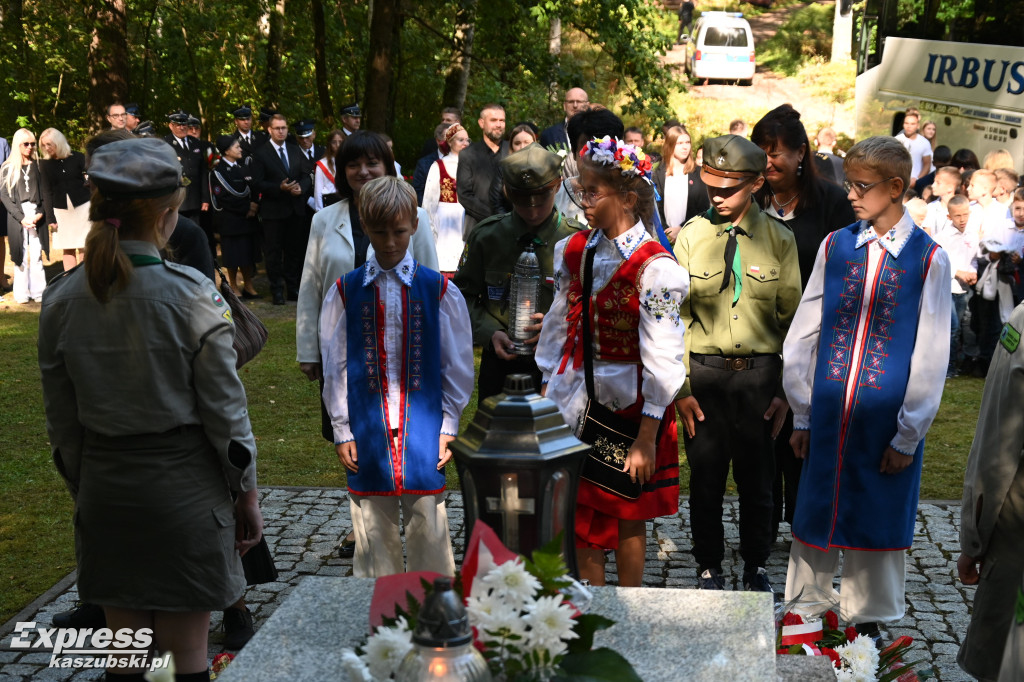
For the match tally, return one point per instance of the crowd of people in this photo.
(782, 298)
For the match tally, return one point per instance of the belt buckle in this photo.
(737, 364)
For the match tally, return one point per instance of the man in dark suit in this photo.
(193, 166)
(248, 139)
(478, 165)
(281, 175)
(305, 137)
(552, 138)
(351, 119)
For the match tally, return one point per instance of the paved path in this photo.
(305, 525)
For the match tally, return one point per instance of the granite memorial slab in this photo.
(667, 634)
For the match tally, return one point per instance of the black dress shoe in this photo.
(347, 548)
(250, 297)
(278, 298)
(871, 630)
(82, 616)
(238, 627)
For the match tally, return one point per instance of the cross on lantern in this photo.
(510, 506)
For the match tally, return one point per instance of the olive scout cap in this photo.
(531, 174)
(731, 160)
(135, 169)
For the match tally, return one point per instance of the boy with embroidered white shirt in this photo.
(864, 378)
(395, 389)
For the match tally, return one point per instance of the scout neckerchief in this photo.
(141, 259)
(732, 260)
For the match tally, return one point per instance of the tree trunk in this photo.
(380, 63)
(320, 64)
(108, 57)
(275, 46)
(456, 81)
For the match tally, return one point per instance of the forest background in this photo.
(66, 60)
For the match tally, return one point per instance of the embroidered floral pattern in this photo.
(846, 321)
(879, 336)
(662, 305)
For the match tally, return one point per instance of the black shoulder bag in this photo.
(610, 435)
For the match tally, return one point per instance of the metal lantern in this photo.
(519, 468)
(523, 293)
(442, 645)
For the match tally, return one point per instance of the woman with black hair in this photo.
(811, 207)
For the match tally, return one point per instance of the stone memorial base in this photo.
(667, 634)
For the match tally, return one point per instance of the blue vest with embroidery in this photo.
(843, 499)
(411, 467)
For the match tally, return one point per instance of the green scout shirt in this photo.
(487, 262)
(771, 287)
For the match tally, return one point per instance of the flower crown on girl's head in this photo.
(611, 151)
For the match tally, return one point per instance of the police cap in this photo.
(243, 112)
(132, 109)
(265, 114)
(352, 110)
(304, 128)
(194, 122)
(179, 117)
(531, 174)
(731, 160)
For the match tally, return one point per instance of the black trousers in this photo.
(284, 250)
(733, 431)
(787, 477)
(493, 371)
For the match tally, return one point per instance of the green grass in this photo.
(36, 540)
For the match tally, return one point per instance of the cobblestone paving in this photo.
(304, 526)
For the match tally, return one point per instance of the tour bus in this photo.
(973, 93)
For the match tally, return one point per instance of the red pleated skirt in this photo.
(598, 511)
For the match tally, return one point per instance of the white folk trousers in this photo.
(872, 588)
(375, 522)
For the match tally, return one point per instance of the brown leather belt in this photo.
(735, 364)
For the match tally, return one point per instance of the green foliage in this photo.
(597, 665)
(806, 35)
(833, 81)
(209, 57)
(548, 567)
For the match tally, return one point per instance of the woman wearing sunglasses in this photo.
(19, 191)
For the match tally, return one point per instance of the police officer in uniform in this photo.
(531, 176)
(351, 119)
(744, 291)
(193, 165)
(247, 138)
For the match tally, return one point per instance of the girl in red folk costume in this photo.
(636, 288)
(441, 201)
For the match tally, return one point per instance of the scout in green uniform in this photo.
(744, 290)
(531, 177)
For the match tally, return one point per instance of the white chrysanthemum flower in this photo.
(511, 582)
(355, 667)
(550, 620)
(386, 649)
(492, 613)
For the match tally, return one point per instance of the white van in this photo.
(973, 93)
(721, 47)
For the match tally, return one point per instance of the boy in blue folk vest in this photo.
(398, 371)
(864, 368)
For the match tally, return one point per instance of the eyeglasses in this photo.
(860, 188)
(117, 115)
(28, 144)
(590, 198)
